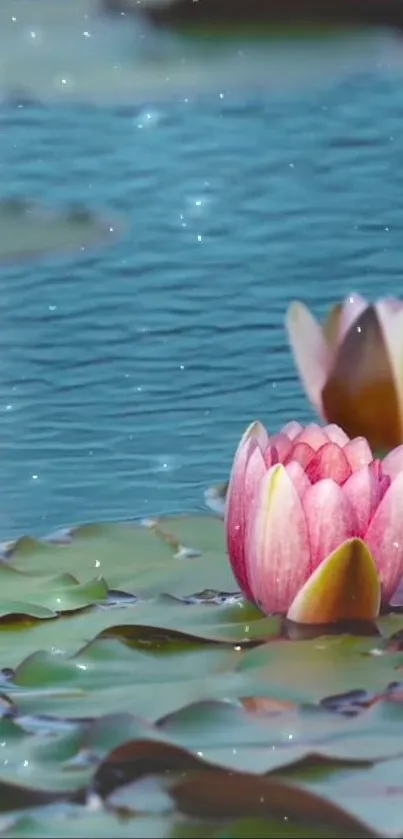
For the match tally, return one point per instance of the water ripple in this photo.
(127, 376)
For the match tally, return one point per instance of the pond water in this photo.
(128, 373)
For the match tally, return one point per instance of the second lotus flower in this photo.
(314, 524)
(352, 367)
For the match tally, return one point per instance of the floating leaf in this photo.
(311, 670)
(178, 556)
(227, 794)
(44, 597)
(28, 230)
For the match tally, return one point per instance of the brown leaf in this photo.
(262, 706)
(16, 797)
(237, 795)
(138, 758)
(155, 636)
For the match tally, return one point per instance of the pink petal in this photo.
(292, 429)
(353, 306)
(329, 462)
(256, 431)
(283, 445)
(270, 456)
(314, 435)
(393, 304)
(336, 434)
(358, 453)
(330, 518)
(236, 500)
(311, 352)
(298, 476)
(392, 464)
(255, 435)
(385, 538)
(364, 491)
(277, 549)
(302, 453)
(383, 479)
(391, 322)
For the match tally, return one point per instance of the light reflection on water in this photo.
(128, 374)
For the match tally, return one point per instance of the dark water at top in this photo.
(128, 374)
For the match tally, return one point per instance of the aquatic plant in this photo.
(314, 525)
(351, 367)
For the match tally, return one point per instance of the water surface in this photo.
(127, 375)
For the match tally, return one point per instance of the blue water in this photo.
(128, 374)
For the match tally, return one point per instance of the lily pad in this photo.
(141, 691)
(29, 230)
(313, 669)
(41, 596)
(180, 556)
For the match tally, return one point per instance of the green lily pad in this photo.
(48, 755)
(178, 556)
(41, 596)
(141, 560)
(69, 821)
(182, 709)
(323, 666)
(156, 622)
(108, 676)
(29, 231)
(373, 794)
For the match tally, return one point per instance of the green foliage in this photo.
(142, 697)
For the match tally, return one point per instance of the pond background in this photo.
(128, 372)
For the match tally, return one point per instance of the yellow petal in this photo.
(345, 586)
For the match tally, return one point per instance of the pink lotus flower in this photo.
(352, 367)
(314, 524)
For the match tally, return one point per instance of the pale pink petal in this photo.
(336, 434)
(235, 507)
(255, 469)
(313, 434)
(277, 551)
(385, 538)
(255, 435)
(329, 462)
(283, 445)
(330, 518)
(292, 429)
(302, 453)
(256, 431)
(298, 476)
(358, 453)
(391, 322)
(311, 352)
(393, 304)
(364, 491)
(353, 306)
(392, 464)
